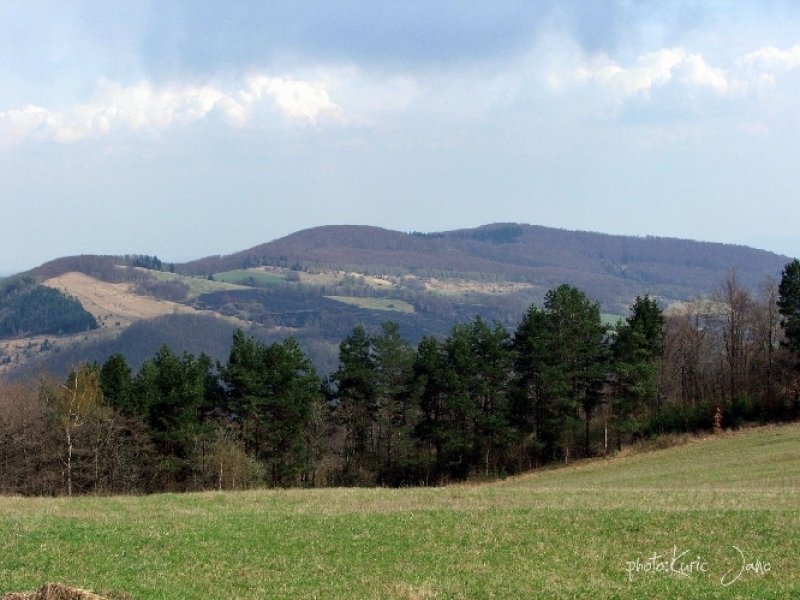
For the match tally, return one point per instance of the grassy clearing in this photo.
(335, 277)
(197, 285)
(114, 304)
(375, 303)
(244, 276)
(465, 286)
(562, 533)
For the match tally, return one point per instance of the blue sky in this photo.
(186, 129)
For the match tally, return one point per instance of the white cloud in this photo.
(18, 124)
(770, 57)
(145, 107)
(649, 71)
(699, 72)
(298, 100)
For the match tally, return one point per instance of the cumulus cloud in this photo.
(17, 124)
(754, 73)
(770, 57)
(297, 100)
(699, 72)
(145, 107)
(650, 71)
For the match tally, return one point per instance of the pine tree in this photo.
(432, 386)
(789, 306)
(171, 392)
(396, 410)
(273, 389)
(562, 363)
(117, 385)
(638, 344)
(356, 395)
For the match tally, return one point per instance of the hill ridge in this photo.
(425, 281)
(532, 253)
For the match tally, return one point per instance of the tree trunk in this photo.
(69, 461)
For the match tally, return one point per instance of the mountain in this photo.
(611, 269)
(317, 284)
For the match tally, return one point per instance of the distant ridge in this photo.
(610, 268)
(317, 284)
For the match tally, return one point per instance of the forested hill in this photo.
(610, 268)
(318, 284)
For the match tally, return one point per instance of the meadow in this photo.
(197, 286)
(249, 277)
(712, 518)
(375, 303)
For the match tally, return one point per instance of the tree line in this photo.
(481, 402)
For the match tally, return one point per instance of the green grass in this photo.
(561, 533)
(611, 319)
(197, 285)
(375, 303)
(242, 277)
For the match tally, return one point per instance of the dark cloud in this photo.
(607, 25)
(210, 36)
(597, 25)
(217, 35)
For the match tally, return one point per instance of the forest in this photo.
(481, 402)
(27, 308)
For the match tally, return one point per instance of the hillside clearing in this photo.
(461, 286)
(387, 304)
(244, 278)
(113, 304)
(196, 286)
(576, 532)
(116, 305)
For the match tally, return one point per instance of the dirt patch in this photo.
(53, 591)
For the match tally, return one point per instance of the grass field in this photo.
(249, 275)
(197, 286)
(574, 532)
(375, 303)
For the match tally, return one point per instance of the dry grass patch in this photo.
(334, 277)
(117, 305)
(460, 286)
(113, 303)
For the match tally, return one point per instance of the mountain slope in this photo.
(611, 269)
(319, 283)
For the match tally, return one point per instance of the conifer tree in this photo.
(789, 306)
(561, 365)
(396, 411)
(356, 396)
(273, 390)
(638, 344)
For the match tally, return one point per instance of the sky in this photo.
(193, 128)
